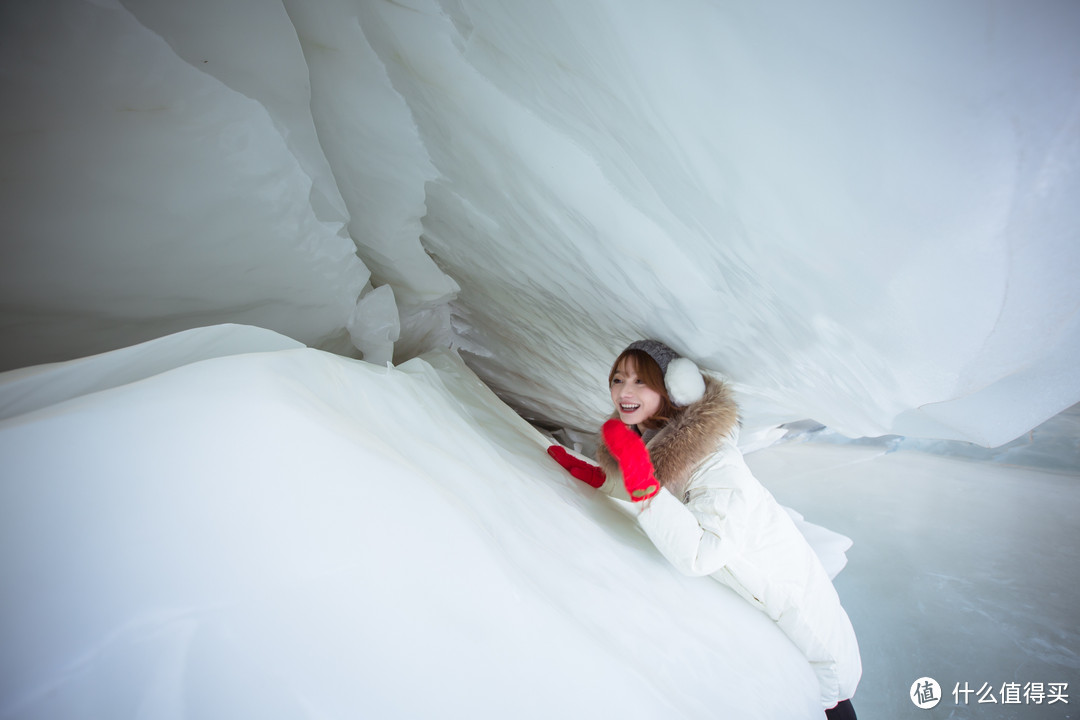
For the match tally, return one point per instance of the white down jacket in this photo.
(717, 519)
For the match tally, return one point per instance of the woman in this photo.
(670, 448)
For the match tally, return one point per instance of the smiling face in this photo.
(634, 400)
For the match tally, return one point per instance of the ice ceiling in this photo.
(862, 215)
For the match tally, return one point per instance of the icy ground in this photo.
(224, 523)
(962, 570)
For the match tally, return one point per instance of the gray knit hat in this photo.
(682, 378)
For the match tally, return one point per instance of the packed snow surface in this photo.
(223, 523)
(293, 533)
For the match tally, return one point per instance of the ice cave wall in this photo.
(864, 216)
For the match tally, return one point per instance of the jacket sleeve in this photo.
(614, 486)
(680, 536)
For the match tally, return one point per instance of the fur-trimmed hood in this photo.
(687, 440)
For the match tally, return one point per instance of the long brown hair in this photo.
(649, 372)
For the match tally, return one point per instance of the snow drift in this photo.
(277, 532)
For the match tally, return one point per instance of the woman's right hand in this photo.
(637, 469)
(583, 471)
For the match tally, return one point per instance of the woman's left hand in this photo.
(583, 471)
(637, 469)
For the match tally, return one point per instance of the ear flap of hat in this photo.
(684, 382)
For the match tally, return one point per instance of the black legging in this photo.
(842, 711)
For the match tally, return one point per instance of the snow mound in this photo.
(273, 531)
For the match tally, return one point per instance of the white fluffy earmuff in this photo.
(684, 382)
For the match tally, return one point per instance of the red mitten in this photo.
(583, 471)
(633, 457)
